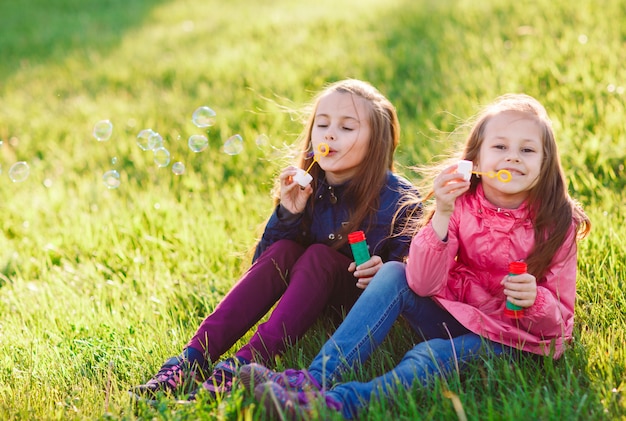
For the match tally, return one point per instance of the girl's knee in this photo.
(281, 256)
(394, 267)
(284, 248)
(318, 248)
(285, 244)
(391, 273)
(323, 257)
(389, 281)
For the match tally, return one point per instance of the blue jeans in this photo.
(446, 342)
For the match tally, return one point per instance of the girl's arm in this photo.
(286, 218)
(447, 187)
(434, 248)
(430, 260)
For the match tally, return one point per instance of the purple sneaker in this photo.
(254, 374)
(174, 373)
(282, 404)
(220, 382)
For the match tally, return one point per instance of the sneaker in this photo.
(280, 403)
(294, 380)
(221, 380)
(174, 373)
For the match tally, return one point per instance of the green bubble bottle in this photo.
(359, 247)
(511, 310)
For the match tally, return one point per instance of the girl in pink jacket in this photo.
(454, 289)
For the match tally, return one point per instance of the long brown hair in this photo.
(363, 190)
(552, 209)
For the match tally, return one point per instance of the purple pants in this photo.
(306, 280)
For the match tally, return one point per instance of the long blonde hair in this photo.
(552, 208)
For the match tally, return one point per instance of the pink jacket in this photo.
(463, 275)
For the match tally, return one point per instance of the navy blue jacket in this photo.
(331, 210)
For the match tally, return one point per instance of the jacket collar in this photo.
(485, 206)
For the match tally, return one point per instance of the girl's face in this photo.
(513, 142)
(341, 121)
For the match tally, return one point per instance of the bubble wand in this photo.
(303, 177)
(465, 167)
(502, 175)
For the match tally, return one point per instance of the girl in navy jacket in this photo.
(303, 263)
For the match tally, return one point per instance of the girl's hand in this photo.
(293, 197)
(521, 289)
(366, 271)
(447, 187)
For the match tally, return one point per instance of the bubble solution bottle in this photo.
(511, 310)
(359, 247)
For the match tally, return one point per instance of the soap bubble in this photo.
(233, 145)
(19, 172)
(143, 139)
(262, 142)
(198, 142)
(178, 168)
(111, 179)
(161, 157)
(155, 141)
(102, 130)
(203, 117)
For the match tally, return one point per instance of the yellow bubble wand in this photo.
(322, 150)
(303, 177)
(502, 175)
(465, 167)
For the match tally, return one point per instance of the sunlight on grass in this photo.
(98, 286)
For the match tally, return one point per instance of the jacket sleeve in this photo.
(398, 245)
(282, 225)
(552, 314)
(430, 260)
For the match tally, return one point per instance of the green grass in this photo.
(98, 286)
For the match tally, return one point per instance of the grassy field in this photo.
(98, 286)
